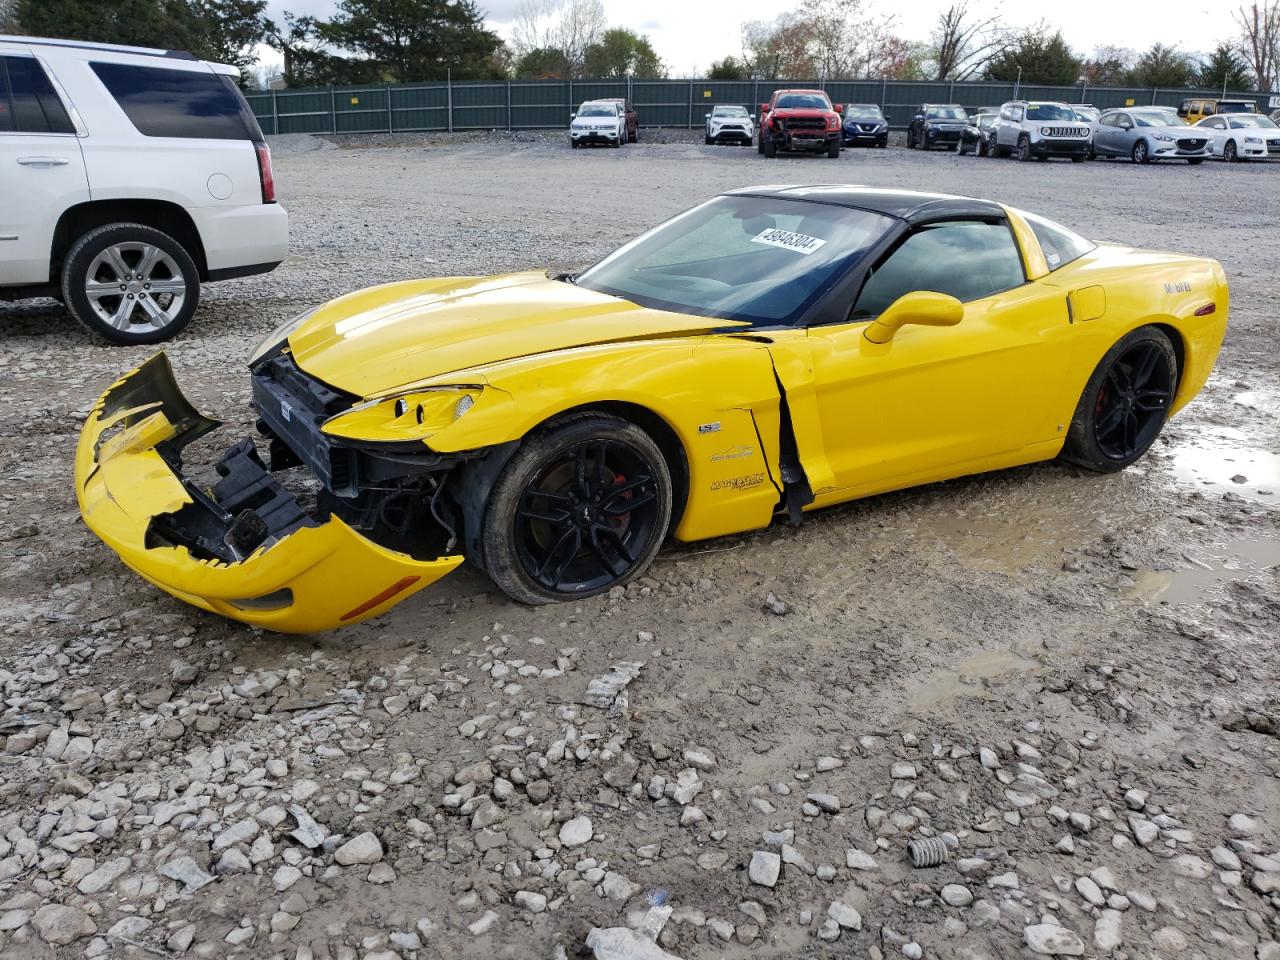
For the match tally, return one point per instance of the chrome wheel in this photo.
(135, 287)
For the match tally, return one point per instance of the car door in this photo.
(1217, 130)
(1123, 136)
(42, 171)
(934, 399)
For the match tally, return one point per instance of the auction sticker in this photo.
(798, 242)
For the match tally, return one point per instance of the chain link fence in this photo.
(548, 104)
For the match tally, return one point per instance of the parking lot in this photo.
(1071, 676)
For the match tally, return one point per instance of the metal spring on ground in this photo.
(928, 852)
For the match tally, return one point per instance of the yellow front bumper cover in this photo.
(315, 578)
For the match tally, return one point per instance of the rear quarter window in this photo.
(1060, 245)
(191, 104)
(30, 104)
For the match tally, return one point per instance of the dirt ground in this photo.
(1069, 679)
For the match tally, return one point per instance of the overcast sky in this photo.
(689, 35)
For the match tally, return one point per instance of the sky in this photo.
(688, 36)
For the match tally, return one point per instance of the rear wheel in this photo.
(1125, 403)
(581, 508)
(130, 284)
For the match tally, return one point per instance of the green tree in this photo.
(405, 40)
(1042, 59)
(1224, 69)
(730, 68)
(543, 63)
(619, 53)
(1163, 66)
(227, 30)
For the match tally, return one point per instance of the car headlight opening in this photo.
(280, 334)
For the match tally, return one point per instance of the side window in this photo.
(33, 103)
(192, 104)
(967, 259)
(6, 105)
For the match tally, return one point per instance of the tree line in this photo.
(389, 41)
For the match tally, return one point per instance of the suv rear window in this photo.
(192, 104)
(28, 102)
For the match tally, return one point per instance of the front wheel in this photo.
(964, 149)
(1196, 162)
(1024, 149)
(1125, 403)
(770, 148)
(582, 507)
(1141, 154)
(1230, 153)
(130, 284)
(833, 150)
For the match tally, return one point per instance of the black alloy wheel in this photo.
(580, 509)
(1125, 404)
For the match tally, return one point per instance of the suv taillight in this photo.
(265, 176)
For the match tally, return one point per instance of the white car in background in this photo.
(598, 121)
(1243, 136)
(129, 177)
(730, 124)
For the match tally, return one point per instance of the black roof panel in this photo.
(906, 205)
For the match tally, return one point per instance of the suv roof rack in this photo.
(106, 47)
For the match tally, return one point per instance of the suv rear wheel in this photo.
(130, 284)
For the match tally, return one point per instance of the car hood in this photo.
(370, 342)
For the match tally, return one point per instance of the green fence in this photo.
(547, 104)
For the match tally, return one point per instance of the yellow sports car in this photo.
(768, 352)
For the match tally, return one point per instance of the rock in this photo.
(1190, 866)
(609, 691)
(129, 927)
(1243, 825)
(576, 832)
(1169, 940)
(956, 895)
(1142, 900)
(764, 868)
(1136, 799)
(187, 872)
(484, 924)
(702, 760)
(617, 887)
(104, 876)
(364, 848)
(844, 915)
(856, 859)
(1089, 890)
(623, 943)
(1107, 935)
(988, 758)
(232, 861)
(826, 802)
(1052, 940)
(827, 764)
(382, 873)
(903, 771)
(242, 831)
(1224, 858)
(61, 925)
(285, 877)
(1144, 831)
(776, 606)
(533, 902)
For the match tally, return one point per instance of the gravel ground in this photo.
(1069, 680)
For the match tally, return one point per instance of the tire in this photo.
(573, 143)
(1140, 153)
(707, 140)
(760, 143)
(1077, 159)
(1024, 149)
(1229, 152)
(953, 147)
(1097, 443)
(770, 148)
(833, 151)
(546, 502)
(96, 292)
(962, 150)
(1196, 161)
(634, 135)
(911, 139)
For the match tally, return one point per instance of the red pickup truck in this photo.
(800, 120)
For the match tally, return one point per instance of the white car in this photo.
(730, 124)
(598, 121)
(128, 177)
(1243, 136)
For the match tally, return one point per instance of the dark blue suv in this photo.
(865, 126)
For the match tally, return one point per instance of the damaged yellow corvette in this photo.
(768, 352)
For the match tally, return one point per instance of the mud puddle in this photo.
(1208, 577)
(1222, 459)
(1009, 539)
(968, 678)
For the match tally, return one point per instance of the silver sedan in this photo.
(1144, 134)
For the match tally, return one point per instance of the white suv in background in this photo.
(599, 121)
(1040, 129)
(128, 177)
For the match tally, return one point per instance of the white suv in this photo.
(598, 121)
(1040, 129)
(128, 177)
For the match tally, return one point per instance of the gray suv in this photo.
(1040, 129)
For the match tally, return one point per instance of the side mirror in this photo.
(887, 118)
(921, 307)
(706, 116)
(838, 107)
(764, 108)
(1126, 125)
(573, 117)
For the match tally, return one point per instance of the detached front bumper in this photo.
(287, 571)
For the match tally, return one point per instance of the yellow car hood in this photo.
(373, 341)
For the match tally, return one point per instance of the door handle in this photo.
(43, 161)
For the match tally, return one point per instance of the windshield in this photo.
(1236, 106)
(729, 112)
(1050, 111)
(945, 113)
(1087, 113)
(760, 259)
(862, 111)
(1158, 118)
(803, 101)
(1250, 121)
(597, 110)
